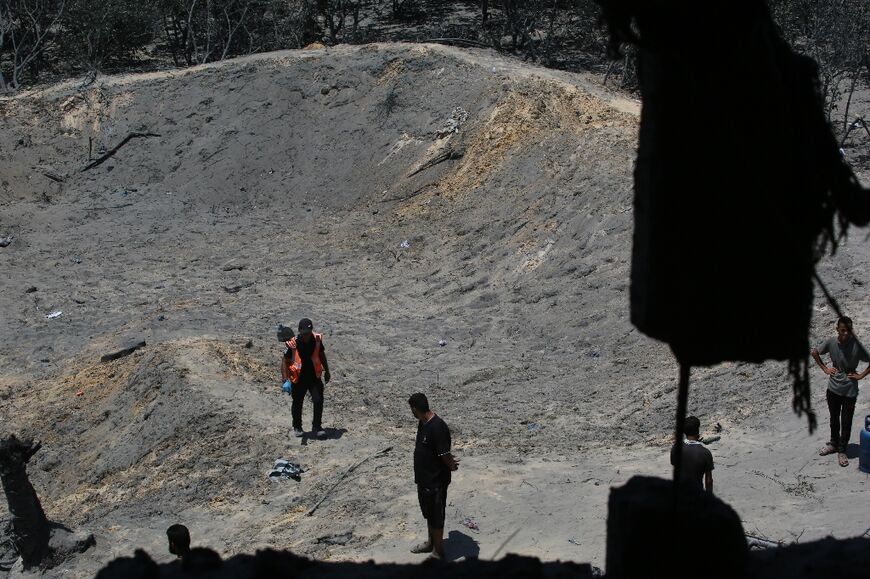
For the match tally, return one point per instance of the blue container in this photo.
(864, 457)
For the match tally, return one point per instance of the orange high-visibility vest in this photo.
(291, 370)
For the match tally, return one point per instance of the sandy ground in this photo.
(398, 196)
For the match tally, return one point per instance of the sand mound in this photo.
(153, 428)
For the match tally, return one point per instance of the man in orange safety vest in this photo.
(301, 368)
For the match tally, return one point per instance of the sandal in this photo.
(422, 548)
(843, 459)
(828, 449)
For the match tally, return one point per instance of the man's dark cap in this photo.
(305, 326)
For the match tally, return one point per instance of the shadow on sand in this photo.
(458, 544)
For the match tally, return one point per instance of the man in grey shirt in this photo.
(842, 394)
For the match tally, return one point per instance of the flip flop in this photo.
(422, 548)
(828, 449)
(843, 459)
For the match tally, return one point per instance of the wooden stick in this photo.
(754, 541)
(465, 41)
(121, 353)
(114, 150)
(344, 476)
(447, 155)
(504, 544)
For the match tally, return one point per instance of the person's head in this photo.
(844, 329)
(693, 427)
(419, 405)
(305, 329)
(179, 540)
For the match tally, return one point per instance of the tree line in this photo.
(44, 39)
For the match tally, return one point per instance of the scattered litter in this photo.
(592, 353)
(442, 342)
(285, 469)
(80, 392)
(76, 259)
(31, 289)
(470, 523)
(532, 426)
(52, 315)
(4, 241)
(405, 244)
(337, 538)
(574, 541)
(457, 117)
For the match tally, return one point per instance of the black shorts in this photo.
(433, 503)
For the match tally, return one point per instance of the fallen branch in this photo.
(236, 288)
(761, 543)
(416, 192)
(465, 41)
(525, 482)
(53, 176)
(344, 476)
(121, 353)
(108, 207)
(115, 149)
(504, 544)
(445, 156)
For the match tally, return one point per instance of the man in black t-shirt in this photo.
(433, 464)
(697, 460)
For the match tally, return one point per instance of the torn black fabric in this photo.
(739, 183)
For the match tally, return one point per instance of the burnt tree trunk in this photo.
(30, 529)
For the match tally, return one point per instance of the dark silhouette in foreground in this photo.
(38, 541)
(739, 183)
(30, 526)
